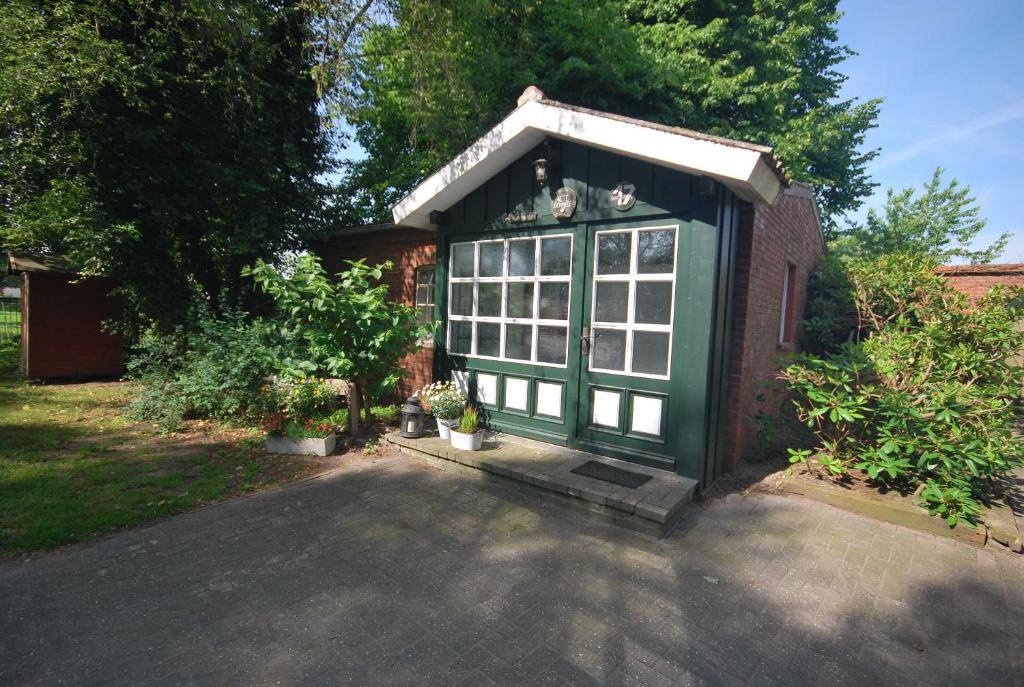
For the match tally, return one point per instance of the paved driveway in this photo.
(395, 573)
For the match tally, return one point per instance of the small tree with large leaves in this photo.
(342, 327)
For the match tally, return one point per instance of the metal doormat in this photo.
(610, 473)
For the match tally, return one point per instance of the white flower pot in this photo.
(302, 447)
(467, 442)
(444, 427)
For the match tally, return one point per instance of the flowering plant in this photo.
(274, 423)
(446, 403)
(311, 397)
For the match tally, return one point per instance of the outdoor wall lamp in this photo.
(542, 165)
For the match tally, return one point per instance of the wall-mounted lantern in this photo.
(542, 164)
(412, 418)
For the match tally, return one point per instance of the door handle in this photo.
(585, 341)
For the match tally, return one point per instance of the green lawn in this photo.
(72, 466)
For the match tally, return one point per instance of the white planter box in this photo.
(302, 447)
(444, 427)
(467, 442)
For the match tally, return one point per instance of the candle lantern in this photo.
(412, 418)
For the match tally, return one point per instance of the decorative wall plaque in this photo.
(564, 203)
(520, 217)
(624, 196)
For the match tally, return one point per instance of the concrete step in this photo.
(545, 469)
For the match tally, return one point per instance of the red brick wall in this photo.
(771, 238)
(976, 280)
(408, 249)
(64, 327)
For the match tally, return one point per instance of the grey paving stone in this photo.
(392, 572)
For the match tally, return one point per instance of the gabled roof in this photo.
(751, 171)
(37, 262)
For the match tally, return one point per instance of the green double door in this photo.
(570, 334)
(624, 400)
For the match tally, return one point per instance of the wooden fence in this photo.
(10, 318)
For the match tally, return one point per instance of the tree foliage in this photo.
(440, 73)
(168, 144)
(344, 327)
(929, 399)
(941, 222)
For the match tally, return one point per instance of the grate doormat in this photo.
(610, 473)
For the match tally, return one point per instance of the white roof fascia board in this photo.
(744, 171)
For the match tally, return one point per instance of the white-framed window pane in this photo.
(520, 300)
(611, 301)
(521, 256)
(614, 252)
(461, 338)
(609, 349)
(462, 299)
(555, 256)
(653, 302)
(462, 260)
(551, 345)
(488, 339)
(519, 341)
(656, 249)
(492, 259)
(554, 301)
(650, 352)
(500, 291)
(489, 300)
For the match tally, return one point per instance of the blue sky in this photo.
(952, 76)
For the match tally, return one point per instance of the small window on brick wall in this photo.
(425, 293)
(788, 291)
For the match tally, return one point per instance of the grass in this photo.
(10, 318)
(73, 467)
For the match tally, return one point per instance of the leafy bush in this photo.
(927, 402)
(218, 368)
(388, 414)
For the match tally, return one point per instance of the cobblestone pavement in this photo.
(396, 573)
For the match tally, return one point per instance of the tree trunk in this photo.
(353, 410)
(364, 386)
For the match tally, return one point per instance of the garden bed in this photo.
(858, 495)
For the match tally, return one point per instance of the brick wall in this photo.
(976, 280)
(408, 249)
(771, 239)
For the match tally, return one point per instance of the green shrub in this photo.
(310, 398)
(928, 401)
(388, 414)
(470, 420)
(218, 368)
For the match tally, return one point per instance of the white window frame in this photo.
(786, 286)
(502, 320)
(633, 277)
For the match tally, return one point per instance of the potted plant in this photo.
(468, 436)
(306, 425)
(446, 404)
(309, 437)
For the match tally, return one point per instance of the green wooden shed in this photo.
(587, 276)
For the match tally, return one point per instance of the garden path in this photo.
(388, 571)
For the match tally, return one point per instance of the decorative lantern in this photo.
(412, 418)
(540, 170)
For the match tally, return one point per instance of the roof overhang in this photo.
(748, 170)
(37, 262)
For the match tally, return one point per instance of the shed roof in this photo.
(989, 270)
(18, 262)
(749, 170)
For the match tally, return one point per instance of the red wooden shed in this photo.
(62, 318)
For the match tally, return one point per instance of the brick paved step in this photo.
(545, 469)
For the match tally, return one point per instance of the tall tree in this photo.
(441, 72)
(940, 222)
(166, 143)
